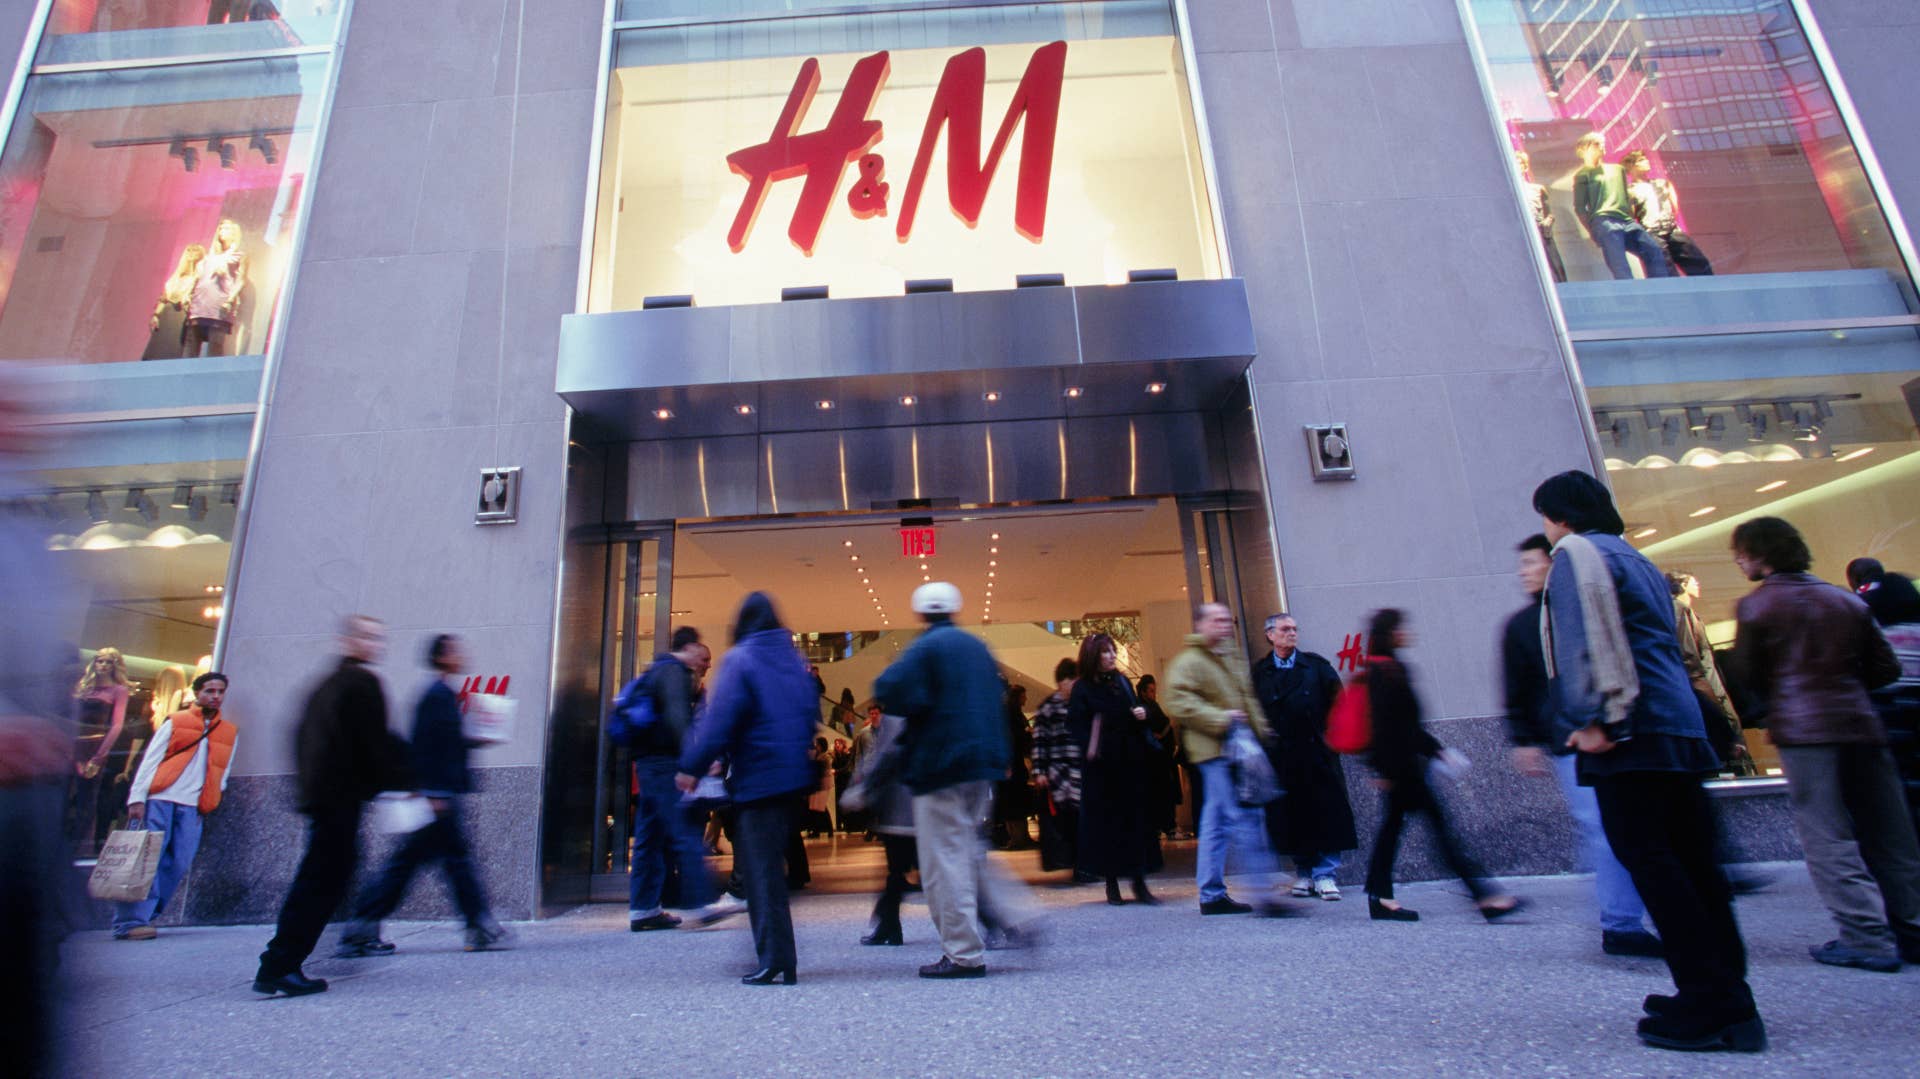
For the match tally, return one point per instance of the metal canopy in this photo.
(965, 357)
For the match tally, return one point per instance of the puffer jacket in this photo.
(760, 713)
(948, 688)
(1201, 688)
(1809, 652)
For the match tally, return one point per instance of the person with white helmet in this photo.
(947, 686)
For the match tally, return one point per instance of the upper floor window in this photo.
(89, 31)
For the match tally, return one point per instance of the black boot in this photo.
(884, 934)
(1113, 892)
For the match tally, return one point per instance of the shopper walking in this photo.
(182, 775)
(1116, 825)
(1402, 753)
(1896, 607)
(1312, 820)
(343, 755)
(1622, 698)
(878, 794)
(1538, 752)
(947, 687)
(1810, 654)
(439, 757)
(1057, 770)
(1208, 694)
(760, 715)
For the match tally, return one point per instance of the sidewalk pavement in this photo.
(1117, 991)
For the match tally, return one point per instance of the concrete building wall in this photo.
(441, 253)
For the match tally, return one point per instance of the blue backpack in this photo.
(633, 715)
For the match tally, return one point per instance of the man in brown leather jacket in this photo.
(1809, 652)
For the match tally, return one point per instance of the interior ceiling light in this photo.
(743, 410)
(1156, 387)
(1073, 391)
(226, 150)
(1855, 454)
(995, 536)
(990, 396)
(182, 497)
(1703, 511)
(846, 543)
(909, 400)
(823, 405)
(662, 413)
(1644, 533)
(1765, 487)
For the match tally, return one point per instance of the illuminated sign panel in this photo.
(918, 542)
(733, 178)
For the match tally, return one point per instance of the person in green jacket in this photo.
(947, 686)
(1601, 202)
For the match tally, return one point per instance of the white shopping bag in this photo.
(399, 813)
(489, 717)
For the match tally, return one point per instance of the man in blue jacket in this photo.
(947, 686)
(439, 756)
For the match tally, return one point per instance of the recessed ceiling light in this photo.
(1703, 511)
(662, 413)
(909, 400)
(924, 577)
(744, 410)
(853, 558)
(823, 405)
(1156, 387)
(1644, 533)
(990, 396)
(989, 573)
(991, 562)
(1855, 454)
(846, 543)
(996, 535)
(1073, 391)
(1765, 487)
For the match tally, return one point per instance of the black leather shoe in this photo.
(884, 937)
(1494, 914)
(368, 948)
(1637, 943)
(947, 968)
(662, 920)
(771, 976)
(1692, 1035)
(1142, 895)
(1379, 912)
(1113, 894)
(295, 984)
(1660, 1004)
(1224, 905)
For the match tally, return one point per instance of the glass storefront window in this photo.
(87, 31)
(148, 214)
(747, 157)
(1741, 312)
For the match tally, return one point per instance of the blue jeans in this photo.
(1226, 824)
(1317, 866)
(1616, 237)
(182, 825)
(1620, 907)
(662, 829)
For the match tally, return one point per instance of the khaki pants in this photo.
(956, 875)
(1852, 817)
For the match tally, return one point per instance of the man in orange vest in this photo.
(181, 777)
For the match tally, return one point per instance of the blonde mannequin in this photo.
(169, 321)
(213, 305)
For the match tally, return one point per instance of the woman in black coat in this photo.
(1116, 823)
(1402, 752)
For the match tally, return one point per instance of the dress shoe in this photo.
(294, 984)
(488, 938)
(363, 948)
(1660, 1004)
(1113, 894)
(1142, 895)
(1632, 942)
(1380, 912)
(771, 976)
(1224, 905)
(887, 936)
(1696, 1035)
(1835, 954)
(1494, 914)
(660, 920)
(947, 968)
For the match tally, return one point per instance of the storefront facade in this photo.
(1055, 300)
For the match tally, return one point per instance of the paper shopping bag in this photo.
(124, 872)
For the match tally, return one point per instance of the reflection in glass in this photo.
(148, 214)
(84, 31)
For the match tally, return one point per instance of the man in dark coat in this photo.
(1312, 822)
(343, 755)
(439, 758)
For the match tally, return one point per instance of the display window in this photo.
(970, 145)
(89, 31)
(1742, 312)
(148, 214)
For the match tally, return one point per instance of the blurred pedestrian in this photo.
(1011, 805)
(760, 714)
(878, 794)
(1208, 694)
(1402, 753)
(1312, 820)
(438, 753)
(1810, 653)
(1116, 827)
(1057, 773)
(1896, 607)
(1163, 774)
(1537, 752)
(343, 756)
(182, 775)
(947, 686)
(1622, 699)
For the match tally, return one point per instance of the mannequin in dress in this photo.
(100, 710)
(1536, 195)
(216, 293)
(169, 322)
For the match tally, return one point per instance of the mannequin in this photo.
(170, 693)
(1697, 653)
(216, 293)
(219, 11)
(1601, 202)
(1658, 209)
(100, 710)
(169, 321)
(1536, 195)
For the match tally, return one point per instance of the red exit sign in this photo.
(918, 542)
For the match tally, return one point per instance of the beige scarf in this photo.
(1609, 658)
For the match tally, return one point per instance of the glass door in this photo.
(636, 618)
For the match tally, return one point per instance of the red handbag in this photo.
(1350, 720)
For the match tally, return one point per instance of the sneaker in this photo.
(1224, 905)
(138, 932)
(657, 920)
(1835, 954)
(1302, 888)
(363, 948)
(1326, 889)
(486, 938)
(1637, 943)
(718, 911)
